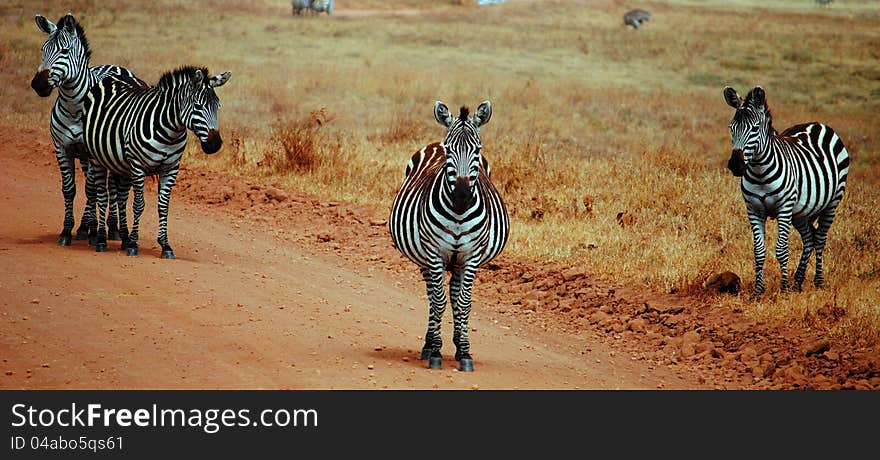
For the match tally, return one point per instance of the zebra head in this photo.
(462, 146)
(199, 105)
(749, 129)
(65, 54)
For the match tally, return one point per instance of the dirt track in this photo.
(241, 309)
(274, 289)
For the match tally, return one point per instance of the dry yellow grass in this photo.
(584, 107)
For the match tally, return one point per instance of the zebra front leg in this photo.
(821, 237)
(784, 228)
(454, 290)
(68, 190)
(463, 347)
(123, 186)
(805, 229)
(88, 224)
(112, 216)
(166, 183)
(757, 222)
(434, 277)
(137, 207)
(98, 178)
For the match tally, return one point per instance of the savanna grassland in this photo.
(590, 119)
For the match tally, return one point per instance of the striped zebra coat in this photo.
(447, 216)
(65, 65)
(135, 131)
(797, 177)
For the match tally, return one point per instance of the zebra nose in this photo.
(213, 143)
(739, 153)
(40, 83)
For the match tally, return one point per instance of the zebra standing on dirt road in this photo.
(797, 177)
(65, 65)
(447, 216)
(136, 131)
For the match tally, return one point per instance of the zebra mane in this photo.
(80, 33)
(463, 113)
(170, 78)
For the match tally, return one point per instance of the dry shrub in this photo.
(303, 145)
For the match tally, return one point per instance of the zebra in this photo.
(135, 131)
(298, 6)
(797, 177)
(447, 216)
(326, 6)
(635, 18)
(65, 65)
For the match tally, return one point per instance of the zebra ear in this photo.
(199, 78)
(44, 24)
(219, 80)
(68, 22)
(758, 97)
(441, 114)
(484, 113)
(732, 98)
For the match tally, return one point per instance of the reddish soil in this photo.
(274, 289)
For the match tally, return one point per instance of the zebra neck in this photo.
(72, 91)
(173, 126)
(764, 160)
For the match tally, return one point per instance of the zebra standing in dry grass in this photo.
(447, 216)
(798, 177)
(65, 65)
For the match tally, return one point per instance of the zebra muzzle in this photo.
(40, 83)
(213, 143)
(736, 164)
(462, 197)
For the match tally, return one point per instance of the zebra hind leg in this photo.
(112, 215)
(805, 229)
(137, 207)
(821, 237)
(89, 224)
(434, 279)
(123, 187)
(98, 178)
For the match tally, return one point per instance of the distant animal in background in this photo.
(635, 18)
(796, 177)
(315, 6)
(824, 2)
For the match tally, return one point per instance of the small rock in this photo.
(405, 359)
(9, 372)
(724, 283)
(687, 349)
(45, 365)
(370, 366)
(816, 347)
(324, 237)
(379, 348)
(378, 222)
(35, 301)
(831, 355)
(637, 324)
(691, 337)
(599, 317)
(573, 274)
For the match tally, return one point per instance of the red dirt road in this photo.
(245, 306)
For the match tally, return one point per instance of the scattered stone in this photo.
(691, 337)
(35, 301)
(9, 372)
(663, 309)
(637, 325)
(378, 222)
(370, 366)
(273, 193)
(573, 274)
(816, 347)
(724, 283)
(599, 317)
(831, 355)
(324, 237)
(45, 365)
(687, 350)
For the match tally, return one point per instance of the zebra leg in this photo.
(463, 347)
(98, 178)
(112, 217)
(87, 225)
(166, 183)
(821, 236)
(757, 222)
(805, 229)
(123, 186)
(454, 290)
(137, 207)
(66, 164)
(434, 277)
(784, 228)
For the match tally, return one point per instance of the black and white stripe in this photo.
(135, 131)
(65, 65)
(447, 216)
(797, 177)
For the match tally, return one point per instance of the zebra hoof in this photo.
(113, 235)
(82, 234)
(426, 352)
(131, 251)
(466, 365)
(93, 240)
(64, 240)
(168, 254)
(435, 362)
(101, 247)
